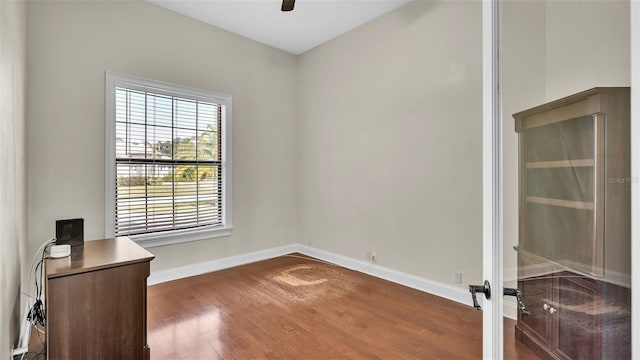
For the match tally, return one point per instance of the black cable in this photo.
(37, 314)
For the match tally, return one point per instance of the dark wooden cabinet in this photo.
(538, 293)
(575, 317)
(96, 302)
(574, 226)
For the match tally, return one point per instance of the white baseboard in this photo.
(158, 277)
(415, 282)
(510, 310)
(419, 283)
(610, 276)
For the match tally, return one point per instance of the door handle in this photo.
(518, 296)
(484, 288)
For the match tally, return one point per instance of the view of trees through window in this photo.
(167, 162)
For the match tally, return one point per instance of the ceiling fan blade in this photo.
(287, 5)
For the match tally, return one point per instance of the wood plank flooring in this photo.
(293, 307)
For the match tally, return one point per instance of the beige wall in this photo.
(72, 44)
(587, 45)
(391, 141)
(523, 81)
(12, 174)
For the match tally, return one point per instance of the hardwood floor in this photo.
(293, 307)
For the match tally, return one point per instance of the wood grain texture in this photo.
(570, 107)
(294, 307)
(96, 255)
(96, 307)
(592, 318)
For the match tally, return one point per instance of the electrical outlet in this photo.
(371, 256)
(458, 278)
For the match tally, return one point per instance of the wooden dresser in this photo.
(96, 301)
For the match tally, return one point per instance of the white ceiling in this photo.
(310, 24)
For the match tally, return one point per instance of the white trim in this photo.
(510, 310)
(109, 156)
(540, 266)
(166, 88)
(158, 277)
(635, 175)
(536, 270)
(492, 318)
(112, 80)
(610, 276)
(227, 208)
(179, 236)
(416, 282)
(549, 268)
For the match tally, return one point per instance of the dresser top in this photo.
(98, 255)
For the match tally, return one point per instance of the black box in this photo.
(70, 231)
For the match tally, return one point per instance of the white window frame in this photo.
(114, 80)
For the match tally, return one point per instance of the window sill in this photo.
(179, 236)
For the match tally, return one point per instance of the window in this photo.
(168, 162)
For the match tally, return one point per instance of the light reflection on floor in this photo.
(180, 335)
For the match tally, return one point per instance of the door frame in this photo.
(492, 324)
(492, 177)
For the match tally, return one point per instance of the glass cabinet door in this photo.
(561, 181)
(573, 258)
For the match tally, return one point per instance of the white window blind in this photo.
(169, 169)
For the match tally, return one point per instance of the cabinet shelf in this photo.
(562, 203)
(574, 226)
(561, 164)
